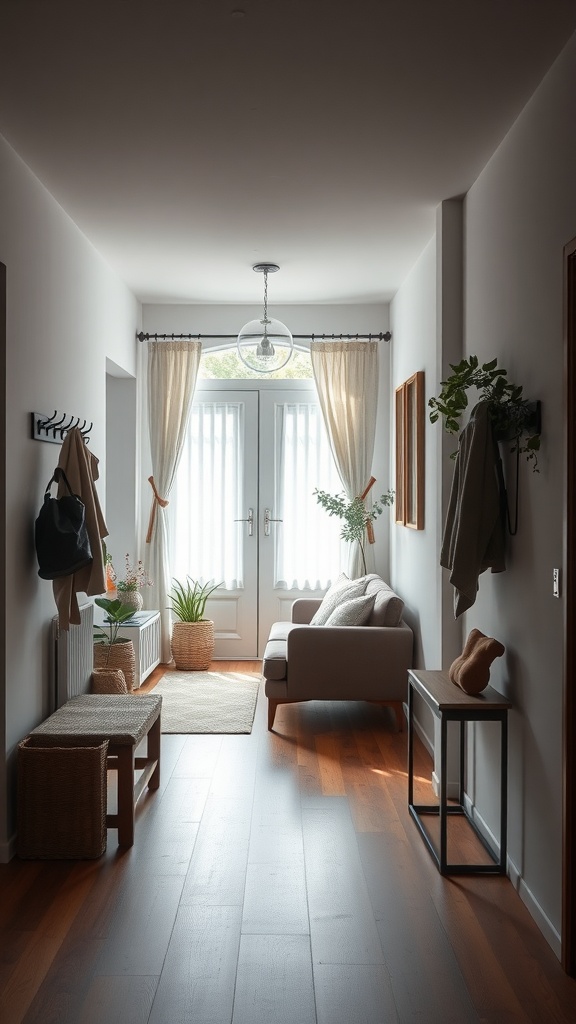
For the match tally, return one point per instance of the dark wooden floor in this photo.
(275, 879)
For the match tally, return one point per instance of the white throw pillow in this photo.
(354, 612)
(341, 590)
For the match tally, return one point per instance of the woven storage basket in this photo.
(121, 656)
(108, 680)
(61, 807)
(193, 644)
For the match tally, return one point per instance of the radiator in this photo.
(73, 655)
(144, 632)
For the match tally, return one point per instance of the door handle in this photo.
(250, 520)
(267, 520)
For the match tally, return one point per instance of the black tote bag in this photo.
(61, 537)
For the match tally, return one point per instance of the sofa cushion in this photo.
(354, 612)
(343, 589)
(280, 630)
(388, 607)
(274, 661)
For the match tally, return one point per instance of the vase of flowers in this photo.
(131, 599)
(128, 588)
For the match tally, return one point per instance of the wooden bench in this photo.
(123, 720)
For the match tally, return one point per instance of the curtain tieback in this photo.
(369, 525)
(157, 500)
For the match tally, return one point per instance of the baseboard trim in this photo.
(550, 933)
(452, 788)
(422, 735)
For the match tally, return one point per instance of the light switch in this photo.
(556, 582)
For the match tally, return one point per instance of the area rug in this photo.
(202, 702)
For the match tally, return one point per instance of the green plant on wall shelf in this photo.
(354, 513)
(513, 417)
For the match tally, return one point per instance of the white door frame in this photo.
(224, 608)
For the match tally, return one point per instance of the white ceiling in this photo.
(190, 139)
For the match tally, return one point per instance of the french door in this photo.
(244, 512)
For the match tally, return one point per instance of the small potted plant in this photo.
(357, 518)
(114, 660)
(514, 418)
(192, 634)
(128, 588)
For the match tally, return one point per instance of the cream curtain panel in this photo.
(172, 372)
(346, 375)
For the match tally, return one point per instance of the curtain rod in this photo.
(385, 336)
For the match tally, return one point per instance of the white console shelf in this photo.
(143, 629)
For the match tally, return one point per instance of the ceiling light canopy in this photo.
(265, 345)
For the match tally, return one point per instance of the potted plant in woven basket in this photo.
(192, 634)
(114, 660)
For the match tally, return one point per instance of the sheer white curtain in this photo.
(308, 550)
(172, 372)
(207, 542)
(346, 375)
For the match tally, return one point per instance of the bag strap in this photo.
(58, 475)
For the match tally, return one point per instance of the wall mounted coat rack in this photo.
(55, 427)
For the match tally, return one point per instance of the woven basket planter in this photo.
(61, 801)
(108, 680)
(193, 644)
(118, 655)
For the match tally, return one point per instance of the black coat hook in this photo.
(42, 424)
(55, 427)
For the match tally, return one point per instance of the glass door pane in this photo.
(216, 485)
(300, 547)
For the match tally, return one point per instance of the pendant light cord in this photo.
(266, 320)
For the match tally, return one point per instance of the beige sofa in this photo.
(303, 661)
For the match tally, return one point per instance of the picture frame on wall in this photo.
(409, 421)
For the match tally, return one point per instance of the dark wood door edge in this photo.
(569, 587)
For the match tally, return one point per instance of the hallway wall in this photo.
(518, 216)
(66, 312)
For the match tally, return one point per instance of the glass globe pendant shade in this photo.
(265, 345)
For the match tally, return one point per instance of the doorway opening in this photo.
(244, 510)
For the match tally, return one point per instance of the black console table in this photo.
(449, 703)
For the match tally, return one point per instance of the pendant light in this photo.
(265, 345)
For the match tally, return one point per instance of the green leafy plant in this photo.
(513, 417)
(354, 513)
(116, 614)
(188, 600)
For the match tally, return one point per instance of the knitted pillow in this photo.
(341, 590)
(354, 612)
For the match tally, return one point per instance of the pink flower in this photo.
(135, 577)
